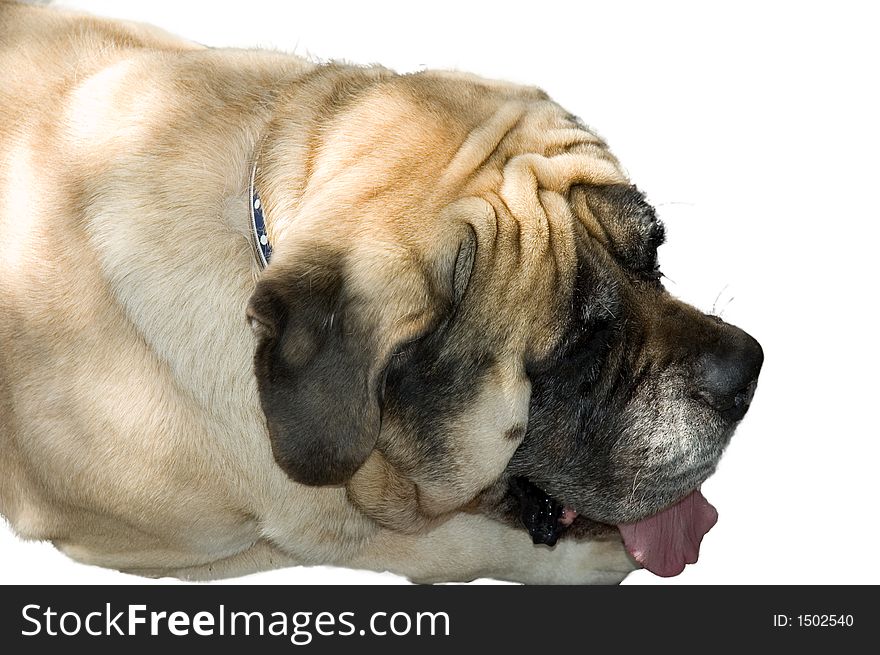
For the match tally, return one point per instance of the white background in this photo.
(753, 129)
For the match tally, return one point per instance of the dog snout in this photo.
(727, 374)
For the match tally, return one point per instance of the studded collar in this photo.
(262, 247)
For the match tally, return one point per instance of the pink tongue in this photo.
(665, 542)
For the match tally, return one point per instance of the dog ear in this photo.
(318, 374)
(326, 331)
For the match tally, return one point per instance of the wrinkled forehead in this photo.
(530, 181)
(560, 219)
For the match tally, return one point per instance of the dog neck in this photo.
(262, 247)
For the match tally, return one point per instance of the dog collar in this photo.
(262, 247)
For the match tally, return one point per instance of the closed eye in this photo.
(654, 275)
(405, 350)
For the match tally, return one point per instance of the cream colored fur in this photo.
(130, 428)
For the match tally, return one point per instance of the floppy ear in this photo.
(317, 368)
(326, 330)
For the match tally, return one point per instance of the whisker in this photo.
(635, 483)
(717, 298)
(675, 202)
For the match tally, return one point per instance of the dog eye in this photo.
(405, 350)
(654, 275)
(630, 222)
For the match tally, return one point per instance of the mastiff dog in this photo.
(261, 312)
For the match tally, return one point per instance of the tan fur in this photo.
(130, 428)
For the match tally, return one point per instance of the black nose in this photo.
(727, 375)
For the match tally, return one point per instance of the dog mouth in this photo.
(663, 543)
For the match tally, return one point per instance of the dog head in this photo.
(464, 306)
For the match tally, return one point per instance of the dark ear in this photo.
(317, 374)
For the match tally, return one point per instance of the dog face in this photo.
(653, 388)
(464, 302)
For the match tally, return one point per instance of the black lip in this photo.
(539, 512)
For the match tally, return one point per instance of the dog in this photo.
(263, 312)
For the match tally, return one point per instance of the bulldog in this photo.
(263, 312)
